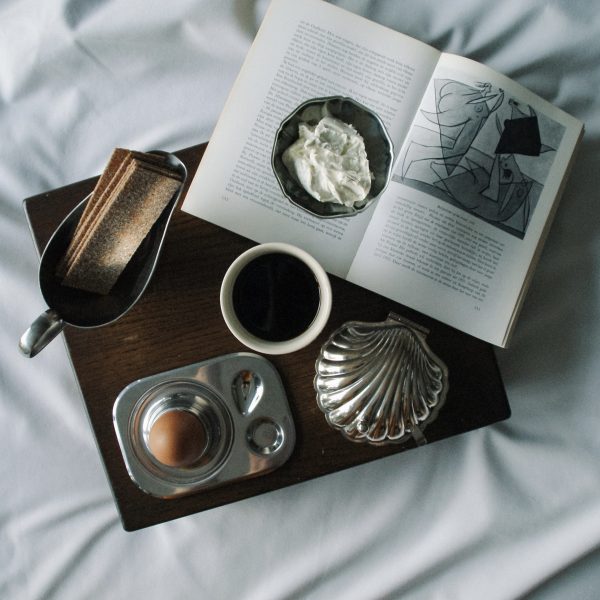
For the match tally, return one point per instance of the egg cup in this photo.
(240, 401)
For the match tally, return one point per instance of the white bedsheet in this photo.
(505, 512)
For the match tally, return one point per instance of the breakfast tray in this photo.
(178, 322)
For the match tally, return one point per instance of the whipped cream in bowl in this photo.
(332, 157)
(329, 160)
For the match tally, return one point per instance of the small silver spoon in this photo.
(69, 306)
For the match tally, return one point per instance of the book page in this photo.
(472, 196)
(303, 50)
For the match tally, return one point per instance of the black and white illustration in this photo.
(475, 146)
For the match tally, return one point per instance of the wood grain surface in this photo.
(178, 322)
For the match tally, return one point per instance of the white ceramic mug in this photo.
(275, 347)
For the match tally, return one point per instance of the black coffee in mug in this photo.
(276, 297)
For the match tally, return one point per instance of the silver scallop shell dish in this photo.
(380, 383)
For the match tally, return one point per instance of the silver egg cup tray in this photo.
(242, 404)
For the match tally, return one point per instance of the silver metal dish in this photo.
(239, 399)
(70, 306)
(380, 383)
(379, 147)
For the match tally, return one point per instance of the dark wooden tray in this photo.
(178, 322)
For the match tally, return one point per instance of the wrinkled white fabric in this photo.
(509, 511)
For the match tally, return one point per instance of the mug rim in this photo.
(254, 342)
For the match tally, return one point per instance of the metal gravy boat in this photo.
(69, 306)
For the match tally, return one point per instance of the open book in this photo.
(480, 163)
